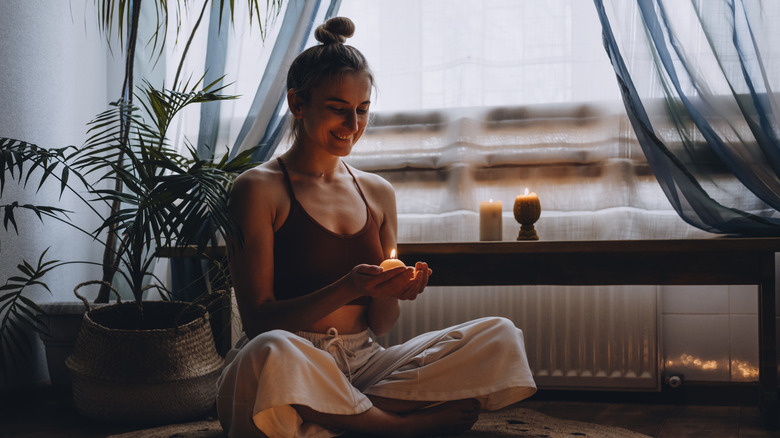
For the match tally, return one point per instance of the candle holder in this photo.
(527, 210)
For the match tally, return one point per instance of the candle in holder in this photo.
(392, 262)
(490, 220)
(527, 211)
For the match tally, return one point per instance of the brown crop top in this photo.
(308, 256)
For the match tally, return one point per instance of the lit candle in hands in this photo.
(392, 262)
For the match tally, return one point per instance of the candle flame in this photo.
(526, 190)
(392, 254)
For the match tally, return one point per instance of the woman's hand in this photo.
(403, 283)
(385, 308)
(417, 285)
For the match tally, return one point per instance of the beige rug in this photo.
(520, 422)
(513, 422)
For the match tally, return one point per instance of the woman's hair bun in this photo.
(335, 30)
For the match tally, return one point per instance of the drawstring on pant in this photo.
(344, 352)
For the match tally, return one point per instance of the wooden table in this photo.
(716, 261)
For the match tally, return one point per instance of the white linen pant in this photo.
(483, 359)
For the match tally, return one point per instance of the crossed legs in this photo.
(401, 418)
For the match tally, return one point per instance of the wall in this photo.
(56, 75)
(710, 333)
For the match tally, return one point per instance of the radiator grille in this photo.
(577, 337)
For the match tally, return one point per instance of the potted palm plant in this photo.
(152, 361)
(139, 360)
(167, 199)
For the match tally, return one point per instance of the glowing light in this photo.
(744, 369)
(690, 361)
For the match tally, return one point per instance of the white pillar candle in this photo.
(490, 220)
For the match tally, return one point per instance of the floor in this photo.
(41, 414)
(664, 421)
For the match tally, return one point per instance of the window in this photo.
(478, 100)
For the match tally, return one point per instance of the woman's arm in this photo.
(384, 311)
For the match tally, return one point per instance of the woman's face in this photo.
(337, 114)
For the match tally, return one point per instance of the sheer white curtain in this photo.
(478, 100)
(465, 53)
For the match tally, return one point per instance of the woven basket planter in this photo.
(165, 372)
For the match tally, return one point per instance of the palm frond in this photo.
(40, 210)
(20, 160)
(242, 162)
(163, 105)
(272, 9)
(19, 313)
(104, 151)
(113, 19)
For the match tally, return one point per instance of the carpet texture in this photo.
(519, 422)
(512, 422)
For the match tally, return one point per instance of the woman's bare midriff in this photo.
(346, 319)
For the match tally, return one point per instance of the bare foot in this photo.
(442, 419)
(447, 418)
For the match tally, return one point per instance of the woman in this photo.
(309, 289)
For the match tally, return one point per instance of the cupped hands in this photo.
(402, 282)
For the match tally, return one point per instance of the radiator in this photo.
(577, 337)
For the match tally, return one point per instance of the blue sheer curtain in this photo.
(698, 81)
(265, 123)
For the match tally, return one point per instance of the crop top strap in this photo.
(357, 185)
(288, 183)
(287, 179)
(368, 209)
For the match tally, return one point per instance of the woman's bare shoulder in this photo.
(373, 183)
(263, 173)
(260, 188)
(261, 178)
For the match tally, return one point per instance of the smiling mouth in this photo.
(346, 137)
